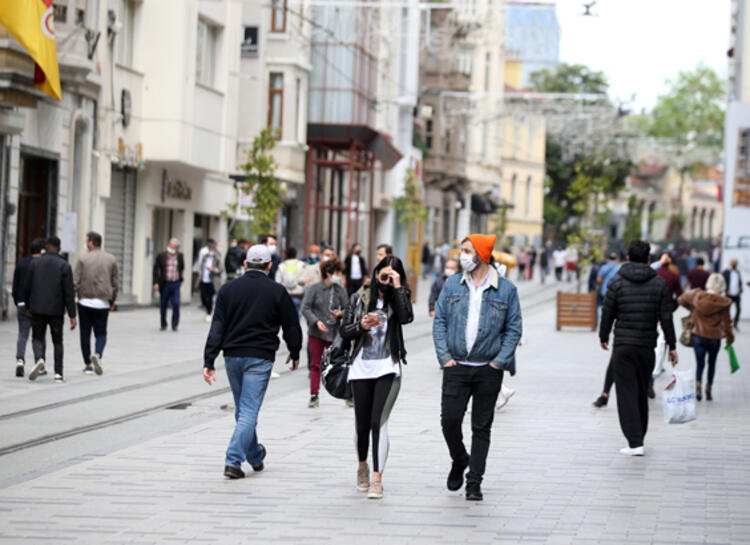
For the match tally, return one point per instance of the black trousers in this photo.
(609, 377)
(352, 286)
(92, 319)
(39, 323)
(373, 402)
(633, 366)
(207, 296)
(460, 383)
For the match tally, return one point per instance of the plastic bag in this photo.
(678, 398)
(734, 364)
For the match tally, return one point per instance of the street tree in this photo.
(569, 78)
(411, 211)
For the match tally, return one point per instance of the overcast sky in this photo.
(641, 43)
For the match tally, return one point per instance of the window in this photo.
(205, 53)
(298, 87)
(276, 103)
(428, 141)
(429, 126)
(528, 196)
(484, 141)
(447, 141)
(487, 58)
(60, 11)
(126, 17)
(514, 191)
(278, 15)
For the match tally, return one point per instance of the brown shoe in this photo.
(698, 393)
(709, 397)
(363, 479)
(376, 490)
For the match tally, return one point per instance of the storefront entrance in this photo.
(119, 225)
(37, 201)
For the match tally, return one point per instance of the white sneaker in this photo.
(504, 396)
(274, 374)
(37, 368)
(208, 318)
(627, 451)
(19, 367)
(96, 361)
(59, 378)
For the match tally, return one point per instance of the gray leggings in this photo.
(24, 328)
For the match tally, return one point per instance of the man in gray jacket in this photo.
(96, 281)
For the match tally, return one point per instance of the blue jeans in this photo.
(170, 295)
(297, 304)
(703, 346)
(248, 378)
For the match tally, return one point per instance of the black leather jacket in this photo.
(399, 313)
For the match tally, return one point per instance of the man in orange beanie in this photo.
(476, 330)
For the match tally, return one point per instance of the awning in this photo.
(341, 136)
(482, 204)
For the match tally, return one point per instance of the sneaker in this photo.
(456, 476)
(43, 372)
(231, 472)
(363, 479)
(314, 402)
(601, 401)
(173, 329)
(474, 491)
(504, 397)
(37, 370)
(274, 374)
(635, 451)
(96, 361)
(164, 328)
(651, 393)
(19, 368)
(375, 492)
(350, 403)
(208, 318)
(260, 466)
(59, 378)
(88, 370)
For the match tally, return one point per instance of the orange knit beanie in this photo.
(483, 244)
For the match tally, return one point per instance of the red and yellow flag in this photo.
(32, 23)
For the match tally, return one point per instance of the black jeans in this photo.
(609, 377)
(170, 295)
(96, 319)
(39, 323)
(207, 296)
(703, 347)
(460, 383)
(633, 366)
(736, 301)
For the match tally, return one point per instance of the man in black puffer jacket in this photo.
(637, 300)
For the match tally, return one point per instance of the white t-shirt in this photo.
(356, 272)
(558, 256)
(206, 272)
(472, 320)
(373, 360)
(94, 303)
(734, 283)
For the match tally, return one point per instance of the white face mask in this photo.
(272, 248)
(325, 258)
(336, 279)
(467, 263)
(170, 250)
(449, 272)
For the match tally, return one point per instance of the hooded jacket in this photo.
(709, 313)
(637, 299)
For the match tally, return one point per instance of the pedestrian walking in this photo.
(383, 251)
(167, 276)
(49, 293)
(290, 275)
(426, 259)
(558, 259)
(96, 279)
(323, 307)
(355, 268)
(733, 281)
(532, 262)
(313, 255)
(245, 327)
(270, 241)
(544, 264)
(372, 323)
(637, 300)
(438, 264)
(697, 277)
(20, 277)
(476, 330)
(235, 258)
(451, 268)
(523, 263)
(606, 273)
(709, 314)
(209, 277)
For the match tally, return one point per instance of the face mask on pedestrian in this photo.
(325, 258)
(313, 256)
(449, 272)
(171, 250)
(467, 262)
(336, 279)
(272, 248)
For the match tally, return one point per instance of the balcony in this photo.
(16, 74)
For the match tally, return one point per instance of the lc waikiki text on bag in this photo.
(678, 398)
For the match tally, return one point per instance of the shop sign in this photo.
(174, 189)
(130, 156)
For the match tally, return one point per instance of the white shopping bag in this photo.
(678, 398)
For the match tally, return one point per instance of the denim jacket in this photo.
(499, 322)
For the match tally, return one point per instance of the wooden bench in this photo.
(576, 310)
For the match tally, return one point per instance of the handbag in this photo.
(686, 337)
(678, 398)
(334, 369)
(734, 364)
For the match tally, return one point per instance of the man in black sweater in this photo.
(245, 326)
(637, 300)
(24, 320)
(48, 293)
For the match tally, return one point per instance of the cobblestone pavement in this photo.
(553, 476)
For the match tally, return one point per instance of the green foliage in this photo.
(409, 205)
(261, 182)
(418, 142)
(499, 221)
(693, 106)
(634, 219)
(589, 245)
(569, 78)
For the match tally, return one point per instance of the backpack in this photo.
(291, 271)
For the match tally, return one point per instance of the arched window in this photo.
(528, 196)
